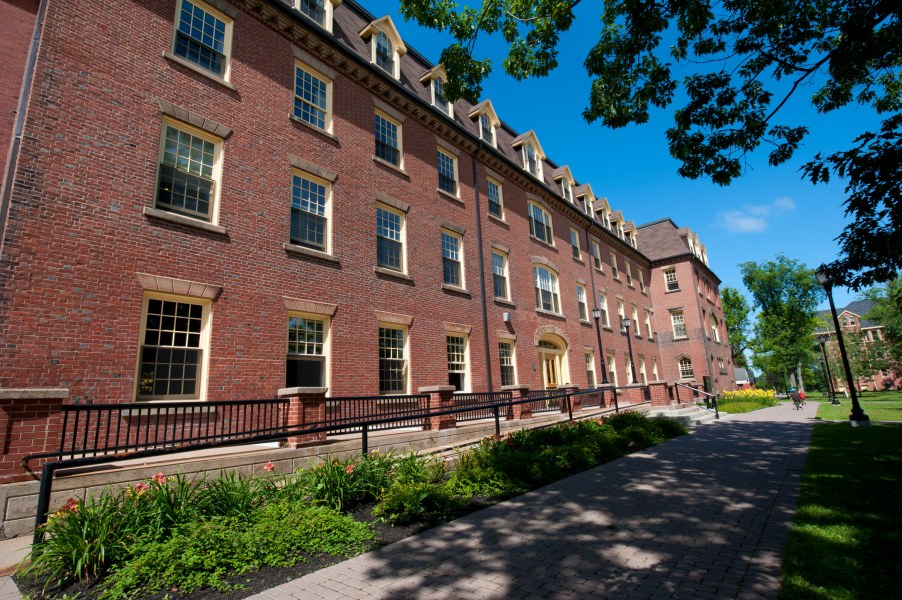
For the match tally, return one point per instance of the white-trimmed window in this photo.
(203, 36)
(540, 224)
(174, 342)
(685, 365)
(654, 368)
(311, 206)
(496, 198)
(305, 363)
(621, 312)
(190, 167)
(648, 330)
(629, 272)
(438, 97)
(590, 368)
(715, 331)
(643, 376)
(390, 236)
(499, 275)
(574, 244)
(581, 302)
(603, 307)
(670, 280)
(546, 289)
(567, 189)
(312, 97)
(628, 368)
(531, 160)
(642, 280)
(388, 139)
(392, 359)
(457, 361)
(386, 45)
(615, 273)
(447, 171)
(452, 259)
(384, 53)
(596, 256)
(612, 369)
(635, 317)
(679, 324)
(506, 358)
(486, 129)
(319, 11)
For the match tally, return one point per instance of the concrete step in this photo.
(688, 416)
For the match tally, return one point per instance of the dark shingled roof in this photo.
(858, 308)
(661, 239)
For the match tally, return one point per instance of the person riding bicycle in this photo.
(796, 398)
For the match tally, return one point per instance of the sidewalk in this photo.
(702, 516)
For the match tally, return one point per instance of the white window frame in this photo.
(203, 345)
(467, 384)
(493, 138)
(552, 278)
(459, 260)
(678, 323)
(398, 134)
(395, 57)
(648, 329)
(574, 244)
(643, 376)
(327, 216)
(327, 81)
(567, 189)
(505, 273)
(405, 358)
(227, 38)
(527, 147)
(402, 234)
(326, 345)
(603, 306)
(216, 171)
(686, 373)
(513, 360)
(535, 225)
(441, 152)
(715, 333)
(615, 272)
(654, 368)
(433, 89)
(328, 10)
(642, 281)
(489, 182)
(671, 283)
(612, 369)
(629, 272)
(582, 303)
(621, 312)
(596, 257)
(635, 317)
(589, 356)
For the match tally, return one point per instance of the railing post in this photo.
(306, 406)
(30, 423)
(518, 412)
(658, 392)
(574, 403)
(441, 397)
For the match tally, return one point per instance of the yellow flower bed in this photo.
(766, 395)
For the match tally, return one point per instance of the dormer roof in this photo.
(485, 107)
(386, 25)
(529, 136)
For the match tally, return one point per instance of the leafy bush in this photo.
(234, 495)
(669, 428)
(423, 501)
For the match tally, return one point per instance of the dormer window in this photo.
(488, 121)
(486, 130)
(318, 11)
(387, 47)
(567, 190)
(436, 78)
(530, 161)
(531, 152)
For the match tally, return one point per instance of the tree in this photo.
(786, 294)
(748, 60)
(736, 311)
(887, 312)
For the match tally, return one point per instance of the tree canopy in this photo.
(748, 58)
(887, 311)
(736, 310)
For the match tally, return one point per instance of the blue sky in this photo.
(769, 210)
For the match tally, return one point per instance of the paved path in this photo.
(703, 516)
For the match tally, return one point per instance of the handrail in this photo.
(709, 397)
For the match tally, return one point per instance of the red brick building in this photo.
(692, 335)
(218, 199)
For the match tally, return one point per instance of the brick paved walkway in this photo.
(702, 516)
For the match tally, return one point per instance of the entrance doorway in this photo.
(553, 358)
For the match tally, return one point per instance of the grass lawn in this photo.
(879, 406)
(847, 531)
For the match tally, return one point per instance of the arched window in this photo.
(546, 289)
(685, 368)
(715, 333)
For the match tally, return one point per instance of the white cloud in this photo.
(754, 218)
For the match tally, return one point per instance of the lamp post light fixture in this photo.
(822, 340)
(857, 417)
(629, 340)
(596, 314)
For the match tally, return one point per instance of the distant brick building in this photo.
(219, 199)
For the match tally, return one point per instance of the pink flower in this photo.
(141, 487)
(160, 478)
(349, 469)
(71, 505)
(268, 466)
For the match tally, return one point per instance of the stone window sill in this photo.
(392, 273)
(449, 196)
(330, 137)
(548, 313)
(504, 301)
(163, 215)
(456, 290)
(391, 166)
(297, 250)
(200, 71)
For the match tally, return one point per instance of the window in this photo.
(530, 159)
(596, 256)
(581, 301)
(635, 316)
(685, 368)
(457, 361)
(670, 280)
(315, 9)
(642, 374)
(540, 224)
(447, 173)
(546, 289)
(392, 361)
(612, 369)
(499, 274)
(452, 259)
(590, 368)
(574, 244)
(389, 238)
(506, 356)
(715, 333)
(438, 97)
(388, 140)
(310, 200)
(486, 129)
(628, 368)
(305, 363)
(172, 348)
(654, 368)
(496, 204)
(567, 190)
(629, 273)
(679, 324)
(621, 313)
(312, 97)
(614, 272)
(203, 36)
(648, 331)
(642, 280)
(385, 53)
(603, 307)
(189, 170)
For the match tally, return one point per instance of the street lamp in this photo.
(629, 340)
(822, 340)
(596, 314)
(857, 417)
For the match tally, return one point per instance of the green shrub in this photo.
(669, 428)
(418, 501)
(411, 468)
(233, 494)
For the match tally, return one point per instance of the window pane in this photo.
(200, 38)
(387, 141)
(170, 358)
(505, 354)
(446, 179)
(494, 194)
(388, 238)
(308, 209)
(310, 98)
(384, 54)
(391, 361)
(314, 9)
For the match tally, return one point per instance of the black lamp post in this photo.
(857, 417)
(596, 314)
(822, 340)
(629, 340)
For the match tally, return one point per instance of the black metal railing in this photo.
(543, 401)
(348, 414)
(478, 406)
